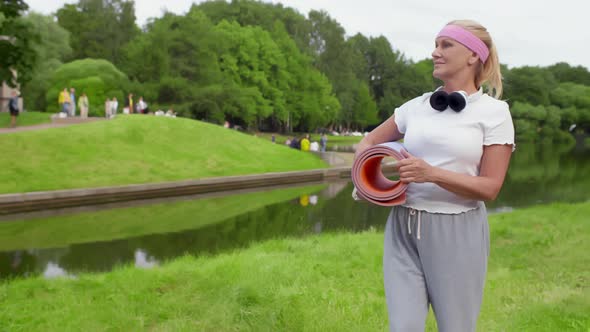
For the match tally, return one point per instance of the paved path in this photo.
(54, 124)
(334, 158)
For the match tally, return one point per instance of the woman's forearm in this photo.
(468, 186)
(485, 186)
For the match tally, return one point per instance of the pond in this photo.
(150, 234)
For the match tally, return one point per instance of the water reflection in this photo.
(342, 148)
(148, 236)
(53, 270)
(142, 260)
(301, 214)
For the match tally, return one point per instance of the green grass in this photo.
(137, 149)
(344, 139)
(537, 281)
(112, 224)
(25, 119)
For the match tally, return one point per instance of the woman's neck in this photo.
(467, 85)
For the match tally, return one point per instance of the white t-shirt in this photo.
(453, 141)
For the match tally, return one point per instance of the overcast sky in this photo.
(526, 32)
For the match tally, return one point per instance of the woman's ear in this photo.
(473, 59)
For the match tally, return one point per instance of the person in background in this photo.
(114, 106)
(83, 105)
(13, 108)
(129, 103)
(108, 107)
(64, 101)
(294, 144)
(323, 142)
(458, 142)
(73, 101)
(305, 143)
(142, 106)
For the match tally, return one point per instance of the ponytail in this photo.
(489, 74)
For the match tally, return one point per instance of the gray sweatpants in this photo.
(437, 259)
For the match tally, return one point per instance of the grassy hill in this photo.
(137, 149)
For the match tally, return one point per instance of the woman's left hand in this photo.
(413, 169)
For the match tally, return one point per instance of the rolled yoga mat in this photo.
(368, 178)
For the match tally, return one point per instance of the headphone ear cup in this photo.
(457, 101)
(439, 100)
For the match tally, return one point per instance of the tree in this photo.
(365, 109)
(336, 58)
(264, 15)
(391, 79)
(17, 38)
(52, 48)
(529, 85)
(99, 28)
(227, 72)
(424, 68)
(176, 61)
(563, 72)
(310, 100)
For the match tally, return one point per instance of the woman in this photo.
(108, 107)
(142, 107)
(83, 105)
(64, 101)
(114, 106)
(129, 104)
(437, 243)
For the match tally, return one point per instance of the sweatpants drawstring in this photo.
(413, 212)
(419, 214)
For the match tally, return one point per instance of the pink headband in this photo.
(466, 38)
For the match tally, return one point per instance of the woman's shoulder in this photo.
(491, 104)
(493, 111)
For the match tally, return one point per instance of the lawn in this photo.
(25, 119)
(137, 149)
(537, 280)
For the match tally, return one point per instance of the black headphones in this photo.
(440, 100)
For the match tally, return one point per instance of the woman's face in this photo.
(450, 58)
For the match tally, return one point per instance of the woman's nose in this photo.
(435, 53)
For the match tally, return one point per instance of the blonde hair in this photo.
(489, 74)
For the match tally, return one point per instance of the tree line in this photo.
(264, 67)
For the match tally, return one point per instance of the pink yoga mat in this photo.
(369, 180)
